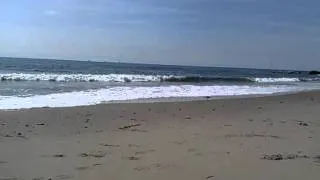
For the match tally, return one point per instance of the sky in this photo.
(278, 34)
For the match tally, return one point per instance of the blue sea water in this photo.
(26, 83)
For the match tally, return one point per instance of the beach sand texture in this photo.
(262, 138)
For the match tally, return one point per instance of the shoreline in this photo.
(174, 100)
(202, 98)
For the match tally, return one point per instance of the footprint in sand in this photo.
(142, 168)
(39, 178)
(250, 120)
(153, 166)
(144, 152)
(53, 156)
(317, 159)
(191, 150)
(133, 145)
(97, 164)
(82, 168)
(198, 154)
(89, 114)
(178, 142)
(139, 130)
(227, 125)
(131, 158)
(63, 176)
(110, 145)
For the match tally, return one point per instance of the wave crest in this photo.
(80, 77)
(270, 80)
(205, 79)
(139, 78)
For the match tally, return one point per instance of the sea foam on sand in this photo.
(92, 97)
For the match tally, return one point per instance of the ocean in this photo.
(31, 83)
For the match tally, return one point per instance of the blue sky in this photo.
(238, 33)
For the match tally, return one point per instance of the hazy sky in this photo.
(240, 33)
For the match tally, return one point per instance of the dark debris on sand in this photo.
(317, 159)
(98, 154)
(279, 157)
(110, 145)
(58, 155)
(6, 135)
(20, 135)
(132, 158)
(39, 178)
(301, 123)
(129, 126)
(252, 135)
(209, 177)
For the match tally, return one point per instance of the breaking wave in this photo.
(138, 78)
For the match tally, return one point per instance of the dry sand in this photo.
(262, 138)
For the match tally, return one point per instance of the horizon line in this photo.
(140, 63)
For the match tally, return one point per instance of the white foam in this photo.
(112, 77)
(129, 93)
(270, 80)
(81, 77)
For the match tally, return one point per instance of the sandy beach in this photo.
(275, 137)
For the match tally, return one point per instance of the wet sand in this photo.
(263, 138)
